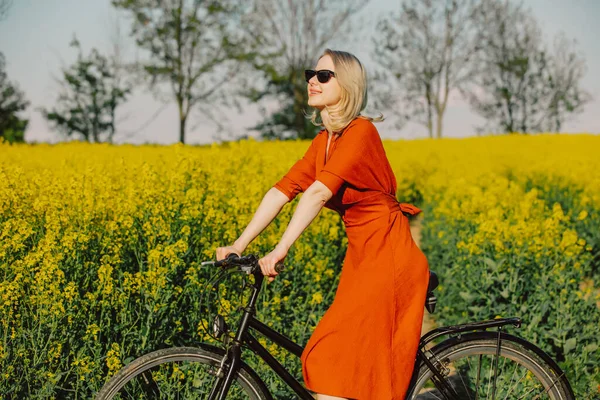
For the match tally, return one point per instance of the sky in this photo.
(35, 40)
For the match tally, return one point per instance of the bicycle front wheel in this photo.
(475, 369)
(180, 373)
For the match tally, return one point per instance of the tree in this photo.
(288, 36)
(4, 7)
(425, 53)
(520, 86)
(91, 93)
(192, 46)
(566, 69)
(12, 101)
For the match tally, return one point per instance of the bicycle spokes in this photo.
(177, 380)
(488, 376)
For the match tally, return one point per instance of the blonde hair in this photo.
(352, 78)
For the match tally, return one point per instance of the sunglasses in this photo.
(323, 75)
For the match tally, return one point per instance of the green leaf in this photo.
(590, 348)
(127, 360)
(570, 345)
(467, 296)
(475, 309)
(535, 321)
(489, 262)
(524, 307)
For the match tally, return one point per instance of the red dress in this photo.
(365, 345)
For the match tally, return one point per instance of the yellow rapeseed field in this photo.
(100, 247)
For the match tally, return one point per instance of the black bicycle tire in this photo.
(203, 353)
(487, 339)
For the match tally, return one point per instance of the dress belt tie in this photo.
(404, 207)
(409, 208)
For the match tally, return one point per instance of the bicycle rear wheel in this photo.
(180, 373)
(521, 370)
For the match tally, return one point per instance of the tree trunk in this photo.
(429, 121)
(183, 114)
(299, 121)
(111, 130)
(440, 121)
(182, 122)
(429, 111)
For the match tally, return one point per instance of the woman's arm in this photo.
(270, 206)
(311, 202)
(309, 206)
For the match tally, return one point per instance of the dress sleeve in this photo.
(301, 175)
(355, 159)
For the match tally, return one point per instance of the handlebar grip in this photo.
(234, 258)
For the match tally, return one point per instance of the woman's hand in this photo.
(223, 252)
(267, 263)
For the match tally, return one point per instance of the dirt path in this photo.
(415, 229)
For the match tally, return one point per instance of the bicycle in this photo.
(470, 363)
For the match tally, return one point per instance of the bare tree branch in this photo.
(288, 36)
(424, 53)
(4, 7)
(519, 86)
(187, 42)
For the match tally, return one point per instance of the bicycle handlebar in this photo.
(247, 264)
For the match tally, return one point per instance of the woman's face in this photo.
(324, 94)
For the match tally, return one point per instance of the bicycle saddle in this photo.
(431, 300)
(433, 281)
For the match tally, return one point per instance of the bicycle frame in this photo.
(232, 360)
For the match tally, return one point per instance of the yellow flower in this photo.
(113, 359)
(317, 298)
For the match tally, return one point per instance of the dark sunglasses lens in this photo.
(309, 73)
(324, 76)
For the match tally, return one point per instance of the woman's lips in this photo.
(312, 93)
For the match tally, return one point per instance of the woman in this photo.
(365, 345)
